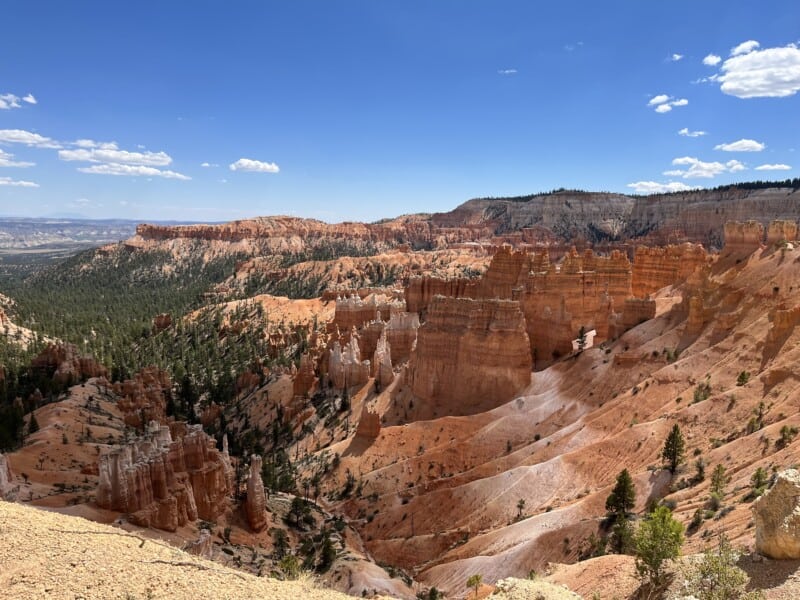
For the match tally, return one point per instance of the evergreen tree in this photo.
(622, 498)
(674, 449)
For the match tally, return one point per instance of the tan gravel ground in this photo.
(49, 555)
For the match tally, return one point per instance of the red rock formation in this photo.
(781, 231)
(305, 379)
(401, 333)
(471, 354)
(6, 478)
(162, 322)
(743, 238)
(421, 290)
(203, 546)
(256, 502)
(144, 398)
(696, 319)
(67, 365)
(369, 425)
(655, 268)
(637, 310)
(164, 483)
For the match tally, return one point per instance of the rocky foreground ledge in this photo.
(49, 555)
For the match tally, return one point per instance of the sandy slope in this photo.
(49, 555)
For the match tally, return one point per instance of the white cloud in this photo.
(20, 136)
(712, 60)
(256, 166)
(778, 167)
(507, 71)
(660, 99)
(742, 145)
(29, 99)
(6, 160)
(700, 169)
(673, 173)
(766, 73)
(664, 103)
(131, 171)
(745, 48)
(686, 133)
(9, 101)
(17, 183)
(208, 165)
(653, 187)
(109, 153)
(676, 57)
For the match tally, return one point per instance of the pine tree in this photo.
(674, 449)
(622, 498)
(658, 540)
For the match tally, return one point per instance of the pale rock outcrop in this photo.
(6, 477)
(256, 503)
(164, 483)
(203, 546)
(637, 310)
(470, 354)
(382, 362)
(401, 333)
(777, 517)
(305, 379)
(696, 319)
(345, 366)
(781, 231)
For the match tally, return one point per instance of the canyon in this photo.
(455, 396)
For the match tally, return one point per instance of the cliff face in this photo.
(165, 483)
(655, 268)
(471, 354)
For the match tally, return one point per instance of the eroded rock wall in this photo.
(655, 268)
(470, 354)
(163, 482)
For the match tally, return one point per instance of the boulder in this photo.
(777, 516)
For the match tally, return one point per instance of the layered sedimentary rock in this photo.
(696, 319)
(470, 354)
(781, 231)
(655, 268)
(6, 477)
(256, 502)
(345, 367)
(162, 322)
(637, 310)
(421, 290)
(744, 238)
(382, 363)
(66, 365)
(777, 517)
(164, 483)
(144, 398)
(401, 333)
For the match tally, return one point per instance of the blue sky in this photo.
(362, 110)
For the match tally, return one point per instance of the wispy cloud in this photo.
(208, 165)
(701, 169)
(28, 138)
(9, 101)
(751, 72)
(712, 60)
(131, 171)
(654, 187)
(7, 181)
(664, 103)
(254, 166)
(6, 160)
(110, 153)
(743, 145)
(693, 134)
(776, 167)
(676, 57)
(507, 72)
